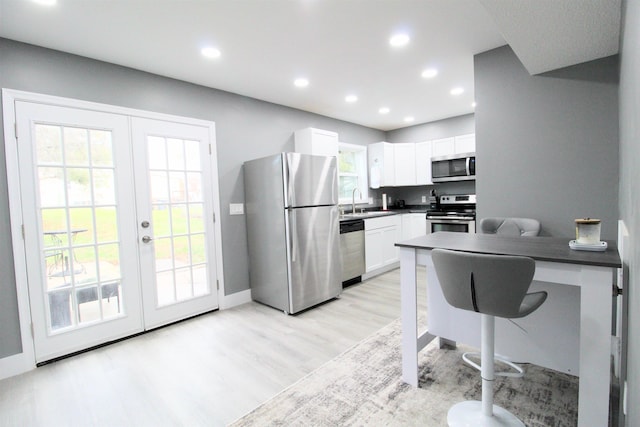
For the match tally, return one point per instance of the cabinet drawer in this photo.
(381, 222)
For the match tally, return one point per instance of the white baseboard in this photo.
(233, 300)
(380, 270)
(15, 365)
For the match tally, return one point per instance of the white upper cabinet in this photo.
(443, 147)
(381, 165)
(423, 163)
(465, 143)
(406, 164)
(318, 142)
(404, 160)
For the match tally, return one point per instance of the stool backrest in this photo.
(510, 226)
(489, 284)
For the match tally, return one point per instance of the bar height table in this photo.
(556, 263)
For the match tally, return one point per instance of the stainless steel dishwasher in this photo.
(352, 248)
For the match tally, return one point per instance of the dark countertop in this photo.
(377, 212)
(553, 249)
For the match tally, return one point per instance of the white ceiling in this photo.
(341, 46)
(551, 34)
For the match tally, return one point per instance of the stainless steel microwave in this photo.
(454, 167)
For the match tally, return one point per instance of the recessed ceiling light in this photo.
(409, 119)
(429, 73)
(210, 52)
(457, 91)
(384, 110)
(398, 40)
(473, 104)
(301, 82)
(351, 98)
(45, 2)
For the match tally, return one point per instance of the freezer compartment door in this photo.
(314, 256)
(310, 180)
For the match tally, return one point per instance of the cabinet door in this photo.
(418, 225)
(443, 147)
(413, 225)
(465, 143)
(324, 143)
(404, 159)
(381, 165)
(373, 249)
(318, 142)
(405, 220)
(423, 163)
(390, 236)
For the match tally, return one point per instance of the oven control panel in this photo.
(458, 199)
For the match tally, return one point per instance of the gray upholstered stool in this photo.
(510, 226)
(492, 285)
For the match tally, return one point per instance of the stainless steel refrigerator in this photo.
(293, 228)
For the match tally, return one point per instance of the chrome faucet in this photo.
(353, 199)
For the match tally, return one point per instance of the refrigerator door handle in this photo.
(293, 235)
(288, 182)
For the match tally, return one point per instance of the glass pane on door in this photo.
(176, 181)
(78, 222)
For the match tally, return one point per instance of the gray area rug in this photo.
(363, 387)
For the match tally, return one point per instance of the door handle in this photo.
(146, 239)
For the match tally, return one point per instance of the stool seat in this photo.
(491, 285)
(510, 226)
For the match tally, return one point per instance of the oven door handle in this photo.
(469, 225)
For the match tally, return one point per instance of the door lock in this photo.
(146, 239)
(145, 224)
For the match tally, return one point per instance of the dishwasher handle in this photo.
(351, 226)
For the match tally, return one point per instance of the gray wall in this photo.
(547, 145)
(434, 130)
(245, 129)
(630, 192)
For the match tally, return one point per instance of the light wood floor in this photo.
(209, 370)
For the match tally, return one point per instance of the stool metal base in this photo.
(469, 413)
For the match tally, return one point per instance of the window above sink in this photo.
(352, 173)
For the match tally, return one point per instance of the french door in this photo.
(175, 218)
(117, 224)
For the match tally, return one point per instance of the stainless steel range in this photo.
(453, 213)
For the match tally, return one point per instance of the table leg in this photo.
(409, 315)
(595, 346)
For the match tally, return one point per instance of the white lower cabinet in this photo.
(413, 225)
(380, 236)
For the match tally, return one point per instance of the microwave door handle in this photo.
(468, 164)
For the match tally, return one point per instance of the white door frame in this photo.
(25, 361)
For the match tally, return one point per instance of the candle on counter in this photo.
(587, 231)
